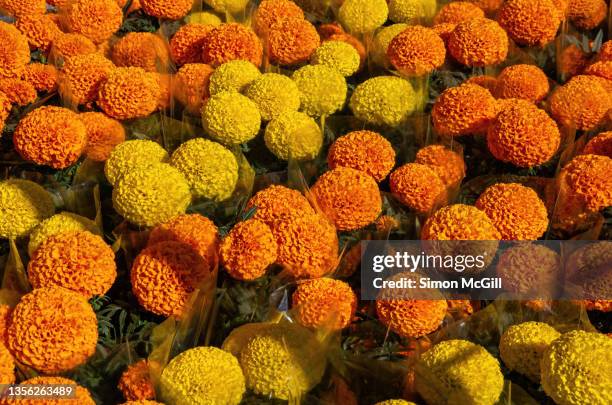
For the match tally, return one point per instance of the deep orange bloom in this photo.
(418, 187)
(588, 178)
(81, 77)
(530, 22)
(5, 108)
(605, 52)
(488, 82)
(291, 41)
(19, 92)
(527, 82)
(411, 318)
(191, 86)
(129, 92)
(97, 20)
(478, 42)
(186, 45)
(270, 12)
(170, 10)
(40, 30)
(462, 110)
(42, 77)
(15, 52)
(601, 69)
(458, 11)
(278, 202)
(5, 317)
(18, 8)
(135, 383)
(229, 42)
(447, 163)
(324, 303)
(587, 14)
(444, 30)
(103, 134)
(81, 397)
(7, 366)
(67, 45)
(141, 49)
(416, 51)
(572, 61)
(599, 145)
(459, 222)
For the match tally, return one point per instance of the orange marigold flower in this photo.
(324, 303)
(135, 383)
(40, 30)
(18, 91)
(599, 145)
(141, 49)
(14, 52)
(586, 267)
(18, 8)
(129, 92)
(587, 14)
(478, 42)
(601, 69)
(462, 110)
(418, 187)
(330, 29)
(81, 395)
(103, 134)
(588, 178)
(229, 42)
(68, 338)
(457, 12)
(5, 318)
(291, 41)
(460, 309)
(278, 202)
(170, 10)
(572, 61)
(605, 52)
(5, 109)
(459, 222)
(42, 77)
(248, 250)
(488, 82)
(351, 40)
(516, 211)
(191, 85)
(446, 163)
(164, 81)
(270, 12)
(79, 261)
(81, 77)
(530, 22)
(523, 135)
(489, 6)
(186, 45)
(68, 45)
(349, 198)
(52, 136)
(444, 30)
(97, 20)
(526, 82)
(7, 366)
(367, 151)
(416, 51)
(307, 245)
(164, 274)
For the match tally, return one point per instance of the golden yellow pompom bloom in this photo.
(322, 89)
(204, 18)
(81, 395)
(588, 179)
(275, 203)
(363, 16)
(461, 370)
(599, 145)
(24, 204)
(416, 51)
(273, 94)
(232, 41)
(7, 366)
(39, 29)
(18, 91)
(205, 375)
(411, 11)
(70, 334)
(141, 49)
(60, 223)
(516, 211)
(458, 11)
(210, 169)
(577, 368)
(97, 20)
(523, 135)
(270, 12)
(248, 250)
(148, 196)
(135, 383)
(52, 136)
(446, 163)
(307, 245)
(43, 77)
(349, 198)
(231, 118)
(337, 55)
(527, 82)
(129, 92)
(324, 303)
(396, 94)
(235, 75)
(191, 86)
(587, 14)
(81, 77)
(131, 155)
(293, 135)
(18, 8)
(367, 151)
(418, 187)
(601, 69)
(168, 10)
(103, 135)
(411, 318)
(68, 45)
(459, 222)
(15, 52)
(291, 41)
(382, 39)
(478, 42)
(186, 45)
(530, 23)
(227, 6)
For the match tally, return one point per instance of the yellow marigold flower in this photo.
(463, 110)
(270, 12)
(7, 366)
(601, 69)
(367, 151)
(135, 383)
(68, 45)
(577, 368)
(70, 336)
(232, 41)
(141, 49)
(248, 250)
(523, 135)
(337, 55)
(530, 23)
(588, 179)
(293, 135)
(170, 10)
(395, 402)
(459, 369)
(186, 45)
(148, 196)
(191, 85)
(416, 51)
(349, 198)
(394, 93)
(458, 11)
(19, 92)
(273, 94)
(599, 145)
(418, 187)
(97, 20)
(382, 39)
(478, 42)
(42, 77)
(324, 303)
(363, 16)
(81, 396)
(15, 52)
(322, 89)
(210, 169)
(459, 222)
(203, 375)
(52, 136)
(82, 75)
(587, 14)
(446, 163)
(129, 92)
(220, 118)
(18, 8)
(291, 41)
(275, 203)
(410, 11)
(352, 41)
(227, 6)
(235, 75)
(60, 223)
(527, 82)
(24, 204)
(39, 29)
(131, 155)
(204, 18)
(103, 135)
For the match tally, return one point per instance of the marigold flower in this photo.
(271, 12)
(210, 169)
(235, 75)
(352, 41)
(337, 55)
(324, 303)
(15, 52)
(395, 402)
(42, 77)
(135, 383)
(444, 31)
(382, 39)
(170, 10)
(19, 92)
(410, 11)
(586, 269)
(24, 204)
(129, 92)
(18, 8)
(458, 11)
(97, 20)
(52, 136)
(103, 135)
(141, 49)
(605, 52)
(488, 82)
(459, 222)
(5, 108)
(601, 69)
(526, 82)
(273, 94)
(588, 180)
(530, 23)
(416, 51)
(291, 41)
(418, 187)
(150, 195)
(572, 61)
(385, 224)
(230, 42)
(81, 396)
(293, 135)
(446, 163)
(164, 81)
(227, 6)
(363, 16)
(478, 42)
(131, 155)
(488, 6)
(60, 223)
(219, 117)
(142, 402)
(394, 93)
(7, 366)
(186, 45)
(70, 334)
(191, 85)
(204, 375)
(459, 369)
(587, 14)
(204, 18)
(39, 29)
(68, 45)
(599, 145)
(82, 76)
(322, 89)
(275, 203)
(576, 368)
(5, 319)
